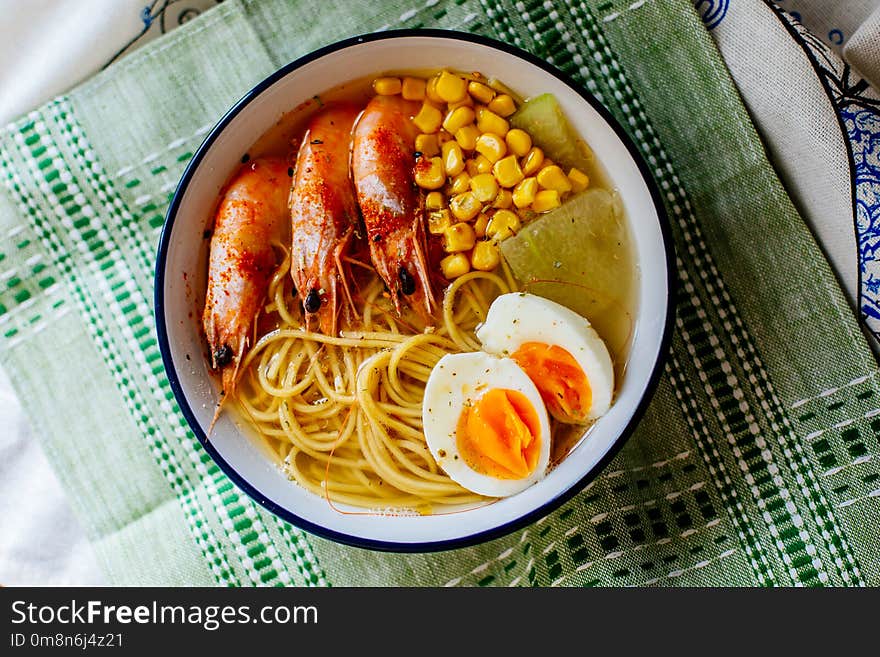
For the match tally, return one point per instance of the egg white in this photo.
(459, 380)
(517, 317)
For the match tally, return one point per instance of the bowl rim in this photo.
(483, 535)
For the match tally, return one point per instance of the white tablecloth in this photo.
(47, 47)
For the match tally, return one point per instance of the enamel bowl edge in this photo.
(182, 258)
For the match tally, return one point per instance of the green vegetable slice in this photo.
(543, 119)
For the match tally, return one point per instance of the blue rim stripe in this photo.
(479, 537)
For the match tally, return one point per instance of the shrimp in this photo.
(324, 214)
(383, 155)
(252, 215)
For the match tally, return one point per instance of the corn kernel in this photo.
(459, 237)
(507, 171)
(427, 145)
(481, 92)
(387, 86)
(413, 89)
(428, 119)
(467, 102)
(532, 161)
(458, 118)
(554, 178)
(453, 158)
(429, 173)
(471, 167)
(502, 105)
(480, 224)
(461, 183)
(455, 265)
(546, 200)
(578, 179)
(492, 146)
(451, 87)
(518, 142)
(488, 121)
(435, 201)
(524, 193)
(504, 199)
(484, 164)
(502, 225)
(431, 90)
(464, 207)
(485, 256)
(439, 221)
(484, 186)
(467, 137)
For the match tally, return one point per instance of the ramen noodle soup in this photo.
(420, 292)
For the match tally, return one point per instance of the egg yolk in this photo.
(500, 435)
(562, 383)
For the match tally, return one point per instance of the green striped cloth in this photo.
(757, 463)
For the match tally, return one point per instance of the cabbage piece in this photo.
(543, 119)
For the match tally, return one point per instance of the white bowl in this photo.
(181, 269)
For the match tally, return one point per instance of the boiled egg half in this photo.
(485, 423)
(558, 349)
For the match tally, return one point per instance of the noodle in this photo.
(344, 413)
